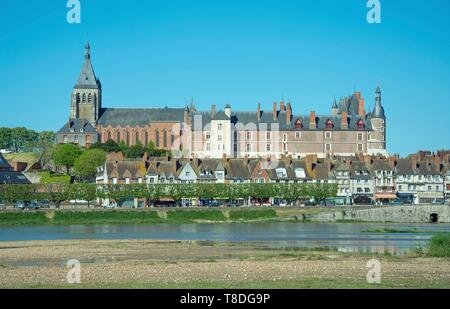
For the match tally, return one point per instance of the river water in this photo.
(352, 237)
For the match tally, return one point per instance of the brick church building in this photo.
(348, 130)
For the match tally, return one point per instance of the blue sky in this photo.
(153, 53)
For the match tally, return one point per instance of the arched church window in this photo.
(118, 137)
(84, 97)
(78, 98)
(109, 135)
(146, 138)
(157, 138)
(128, 138)
(165, 138)
(136, 138)
(89, 98)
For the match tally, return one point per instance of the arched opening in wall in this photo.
(434, 218)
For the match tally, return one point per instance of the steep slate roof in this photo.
(428, 168)
(13, 178)
(349, 105)
(381, 165)
(139, 116)
(281, 164)
(405, 167)
(136, 168)
(4, 165)
(236, 168)
(221, 116)
(87, 79)
(322, 171)
(76, 126)
(357, 170)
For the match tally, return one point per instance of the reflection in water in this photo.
(341, 237)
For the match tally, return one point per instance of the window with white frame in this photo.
(298, 135)
(268, 135)
(360, 147)
(327, 135)
(248, 148)
(208, 136)
(219, 126)
(219, 137)
(268, 147)
(248, 135)
(360, 136)
(328, 147)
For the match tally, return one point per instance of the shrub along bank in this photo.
(42, 218)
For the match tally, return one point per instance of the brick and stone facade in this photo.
(347, 130)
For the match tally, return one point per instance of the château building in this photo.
(347, 130)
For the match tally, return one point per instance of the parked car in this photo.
(395, 202)
(27, 205)
(310, 203)
(362, 200)
(438, 201)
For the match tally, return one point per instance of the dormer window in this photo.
(329, 124)
(298, 124)
(360, 125)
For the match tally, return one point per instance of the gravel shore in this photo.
(103, 262)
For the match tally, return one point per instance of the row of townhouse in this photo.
(418, 178)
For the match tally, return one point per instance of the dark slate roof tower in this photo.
(87, 79)
(378, 111)
(86, 100)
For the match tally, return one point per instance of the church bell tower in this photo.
(86, 99)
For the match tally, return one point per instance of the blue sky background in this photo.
(153, 53)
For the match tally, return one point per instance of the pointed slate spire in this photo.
(87, 79)
(378, 110)
(334, 104)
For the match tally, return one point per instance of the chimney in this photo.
(69, 123)
(414, 161)
(437, 162)
(258, 115)
(275, 113)
(392, 161)
(245, 161)
(174, 164)
(282, 107)
(367, 159)
(361, 109)
(310, 161)
(344, 121)
(213, 111)
(312, 120)
(288, 113)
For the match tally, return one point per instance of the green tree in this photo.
(85, 166)
(23, 139)
(110, 146)
(135, 151)
(44, 147)
(65, 155)
(123, 147)
(5, 138)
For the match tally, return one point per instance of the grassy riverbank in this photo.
(179, 216)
